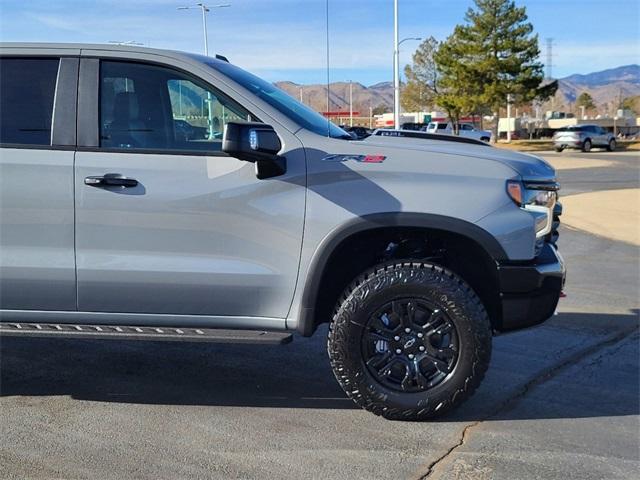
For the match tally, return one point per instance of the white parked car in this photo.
(466, 130)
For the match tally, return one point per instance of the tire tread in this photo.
(352, 299)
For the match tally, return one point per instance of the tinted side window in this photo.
(150, 107)
(27, 92)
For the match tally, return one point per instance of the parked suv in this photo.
(464, 130)
(117, 225)
(584, 137)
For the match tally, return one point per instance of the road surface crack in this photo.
(510, 402)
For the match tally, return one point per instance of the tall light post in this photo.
(350, 103)
(396, 68)
(206, 9)
(396, 65)
(396, 81)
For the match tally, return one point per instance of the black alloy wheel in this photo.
(409, 340)
(410, 345)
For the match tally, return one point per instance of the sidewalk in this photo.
(613, 214)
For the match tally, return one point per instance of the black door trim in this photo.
(88, 85)
(64, 110)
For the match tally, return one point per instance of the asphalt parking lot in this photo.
(560, 401)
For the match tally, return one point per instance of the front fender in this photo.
(306, 323)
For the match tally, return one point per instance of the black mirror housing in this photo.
(256, 143)
(251, 141)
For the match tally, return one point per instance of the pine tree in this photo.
(422, 76)
(459, 89)
(632, 104)
(495, 53)
(585, 100)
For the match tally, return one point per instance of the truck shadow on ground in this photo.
(293, 376)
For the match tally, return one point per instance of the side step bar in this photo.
(190, 334)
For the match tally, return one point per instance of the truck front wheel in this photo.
(409, 340)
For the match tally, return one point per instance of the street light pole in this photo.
(204, 28)
(206, 9)
(396, 68)
(350, 103)
(396, 75)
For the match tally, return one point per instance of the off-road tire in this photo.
(611, 147)
(586, 145)
(402, 280)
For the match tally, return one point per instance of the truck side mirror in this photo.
(251, 141)
(256, 143)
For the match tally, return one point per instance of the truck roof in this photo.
(111, 47)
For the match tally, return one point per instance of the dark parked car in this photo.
(358, 132)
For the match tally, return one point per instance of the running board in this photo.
(190, 334)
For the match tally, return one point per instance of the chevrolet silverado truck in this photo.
(270, 222)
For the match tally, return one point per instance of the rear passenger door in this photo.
(602, 136)
(37, 142)
(194, 231)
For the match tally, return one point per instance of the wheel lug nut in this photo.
(421, 348)
(398, 351)
(407, 330)
(396, 338)
(420, 335)
(411, 356)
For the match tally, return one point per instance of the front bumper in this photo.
(530, 291)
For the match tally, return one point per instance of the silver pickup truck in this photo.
(158, 195)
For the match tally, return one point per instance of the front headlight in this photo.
(537, 199)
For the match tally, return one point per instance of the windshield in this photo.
(281, 101)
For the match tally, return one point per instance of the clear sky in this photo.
(285, 39)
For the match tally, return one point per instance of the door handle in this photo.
(111, 180)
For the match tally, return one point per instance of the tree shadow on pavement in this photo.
(297, 375)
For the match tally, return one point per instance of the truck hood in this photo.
(529, 167)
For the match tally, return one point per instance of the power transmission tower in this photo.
(549, 64)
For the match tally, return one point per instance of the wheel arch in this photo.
(370, 224)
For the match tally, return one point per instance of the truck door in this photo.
(37, 140)
(166, 222)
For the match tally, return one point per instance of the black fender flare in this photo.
(307, 323)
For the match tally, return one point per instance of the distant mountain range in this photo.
(606, 87)
(380, 94)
